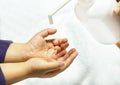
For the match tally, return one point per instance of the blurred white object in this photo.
(97, 16)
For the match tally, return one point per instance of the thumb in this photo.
(37, 41)
(46, 32)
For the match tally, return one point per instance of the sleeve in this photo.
(4, 44)
(2, 78)
(3, 48)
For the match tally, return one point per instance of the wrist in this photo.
(16, 52)
(21, 69)
(29, 64)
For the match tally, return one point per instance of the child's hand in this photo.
(49, 67)
(37, 58)
(37, 47)
(37, 67)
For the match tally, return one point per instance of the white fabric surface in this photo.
(96, 64)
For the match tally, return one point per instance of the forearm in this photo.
(14, 72)
(16, 52)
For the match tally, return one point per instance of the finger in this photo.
(64, 46)
(57, 42)
(66, 55)
(60, 54)
(69, 55)
(62, 43)
(52, 73)
(70, 58)
(58, 48)
(46, 32)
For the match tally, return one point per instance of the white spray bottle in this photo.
(97, 16)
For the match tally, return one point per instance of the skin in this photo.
(117, 0)
(35, 47)
(117, 8)
(37, 58)
(117, 12)
(118, 44)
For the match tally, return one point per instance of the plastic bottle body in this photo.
(98, 18)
